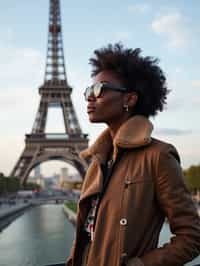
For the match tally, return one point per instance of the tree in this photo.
(31, 186)
(9, 184)
(192, 177)
(2, 184)
(13, 184)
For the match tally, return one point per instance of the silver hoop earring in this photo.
(126, 107)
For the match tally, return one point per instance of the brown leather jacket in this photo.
(145, 187)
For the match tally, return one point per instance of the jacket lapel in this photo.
(93, 180)
(135, 132)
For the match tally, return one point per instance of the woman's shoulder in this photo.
(161, 148)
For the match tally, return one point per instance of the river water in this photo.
(43, 236)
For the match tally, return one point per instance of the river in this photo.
(43, 236)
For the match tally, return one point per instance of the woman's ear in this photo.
(131, 99)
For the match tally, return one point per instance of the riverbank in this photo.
(9, 213)
(70, 214)
(41, 236)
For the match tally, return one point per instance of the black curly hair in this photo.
(138, 73)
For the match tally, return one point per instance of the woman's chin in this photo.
(94, 119)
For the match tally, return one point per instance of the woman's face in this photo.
(108, 108)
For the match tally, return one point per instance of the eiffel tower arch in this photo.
(55, 92)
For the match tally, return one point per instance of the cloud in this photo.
(18, 108)
(138, 8)
(20, 65)
(173, 27)
(178, 70)
(17, 98)
(7, 35)
(10, 155)
(196, 103)
(196, 83)
(172, 132)
(20, 77)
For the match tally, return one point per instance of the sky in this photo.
(168, 30)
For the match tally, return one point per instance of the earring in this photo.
(126, 107)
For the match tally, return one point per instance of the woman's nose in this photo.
(91, 98)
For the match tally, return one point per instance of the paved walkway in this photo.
(70, 214)
(7, 209)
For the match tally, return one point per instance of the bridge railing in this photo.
(63, 264)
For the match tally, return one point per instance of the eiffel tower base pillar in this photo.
(40, 148)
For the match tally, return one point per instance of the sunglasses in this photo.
(96, 89)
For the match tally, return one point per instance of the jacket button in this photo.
(110, 163)
(127, 183)
(123, 221)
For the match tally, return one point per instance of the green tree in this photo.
(3, 187)
(31, 186)
(13, 184)
(9, 184)
(192, 177)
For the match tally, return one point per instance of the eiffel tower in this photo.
(55, 92)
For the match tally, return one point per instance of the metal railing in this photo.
(63, 264)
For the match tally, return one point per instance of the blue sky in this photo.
(169, 30)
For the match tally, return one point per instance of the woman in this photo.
(133, 181)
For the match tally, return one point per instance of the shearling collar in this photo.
(133, 133)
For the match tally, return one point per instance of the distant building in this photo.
(37, 171)
(64, 176)
(37, 180)
(52, 182)
(40, 181)
(70, 181)
(64, 173)
(69, 185)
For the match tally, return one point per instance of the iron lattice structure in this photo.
(55, 92)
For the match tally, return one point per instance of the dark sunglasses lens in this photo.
(94, 90)
(87, 93)
(97, 89)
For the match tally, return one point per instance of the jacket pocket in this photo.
(136, 179)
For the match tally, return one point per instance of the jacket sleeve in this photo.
(175, 201)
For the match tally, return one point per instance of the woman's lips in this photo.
(90, 109)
